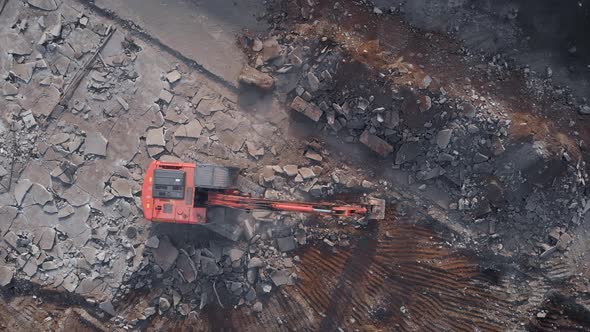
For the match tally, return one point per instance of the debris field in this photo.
(480, 158)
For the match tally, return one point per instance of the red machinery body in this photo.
(182, 192)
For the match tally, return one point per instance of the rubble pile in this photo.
(460, 143)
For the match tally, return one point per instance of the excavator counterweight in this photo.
(182, 193)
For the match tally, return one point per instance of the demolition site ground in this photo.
(469, 118)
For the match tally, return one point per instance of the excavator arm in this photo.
(372, 209)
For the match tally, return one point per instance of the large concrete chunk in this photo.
(155, 137)
(166, 254)
(251, 76)
(48, 5)
(376, 144)
(310, 110)
(96, 144)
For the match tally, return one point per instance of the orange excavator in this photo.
(176, 192)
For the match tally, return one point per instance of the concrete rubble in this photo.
(71, 170)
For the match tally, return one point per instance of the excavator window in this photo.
(169, 184)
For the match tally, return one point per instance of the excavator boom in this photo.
(238, 201)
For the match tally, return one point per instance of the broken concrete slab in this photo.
(123, 103)
(107, 307)
(378, 145)
(165, 96)
(310, 110)
(47, 239)
(122, 188)
(280, 277)
(6, 274)
(95, 144)
(65, 211)
(155, 137)
(30, 267)
(40, 195)
(89, 254)
(166, 253)
(192, 129)
(173, 76)
(21, 189)
(443, 138)
(152, 242)
(7, 215)
(286, 243)
(47, 5)
(313, 156)
(70, 283)
(251, 76)
(291, 170)
(253, 150)
(306, 173)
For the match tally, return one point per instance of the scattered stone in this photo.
(425, 82)
(313, 81)
(96, 144)
(291, 170)
(123, 103)
(257, 45)
(255, 262)
(306, 173)
(251, 76)
(286, 243)
(376, 144)
(155, 137)
(311, 111)
(480, 158)
(280, 277)
(49, 266)
(313, 156)
(29, 120)
(443, 138)
(163, 304)
(254, 151)
(70, 282)
(165, 254)
(89, 254)
(235, 254)
(425, 103)
(257, 307)
(173, 76)
(377, 10)
(107, 307)
(6, 274)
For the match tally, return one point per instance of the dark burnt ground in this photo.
(396, 276)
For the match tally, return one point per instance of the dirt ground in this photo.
(468, 123)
